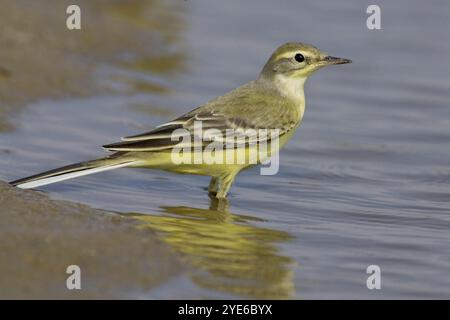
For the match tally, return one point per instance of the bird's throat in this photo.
(293, 89)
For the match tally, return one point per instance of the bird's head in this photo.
(297, 60)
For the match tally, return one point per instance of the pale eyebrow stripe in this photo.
(287, 55)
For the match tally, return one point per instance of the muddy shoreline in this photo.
(40, 238)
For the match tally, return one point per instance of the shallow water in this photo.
(366, 179)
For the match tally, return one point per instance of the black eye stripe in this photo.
(299, 57)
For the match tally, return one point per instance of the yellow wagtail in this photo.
(274, 101)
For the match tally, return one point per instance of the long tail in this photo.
(73, 171)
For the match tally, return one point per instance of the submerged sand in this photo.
(40, 58)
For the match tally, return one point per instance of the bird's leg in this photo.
(225, 185)
(213, 186)
(220, 205)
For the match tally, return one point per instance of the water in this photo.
(365, 180)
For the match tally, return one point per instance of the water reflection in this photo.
(167, 64)
(227, 252)
(140, 69)
(126, 46)
(157, 15)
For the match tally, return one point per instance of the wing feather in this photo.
(238, 111)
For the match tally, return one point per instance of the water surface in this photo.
(365, 180)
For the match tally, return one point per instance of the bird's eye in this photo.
(299, 57)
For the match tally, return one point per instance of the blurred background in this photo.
(365, 181)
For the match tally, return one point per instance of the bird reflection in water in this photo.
(227, 252)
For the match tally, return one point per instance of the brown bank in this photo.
(40, 238)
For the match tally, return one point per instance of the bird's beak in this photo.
(329, 60)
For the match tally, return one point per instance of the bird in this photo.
(274, 101)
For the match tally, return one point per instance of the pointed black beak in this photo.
(329, 60)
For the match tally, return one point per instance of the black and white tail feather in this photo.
(72, 171)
